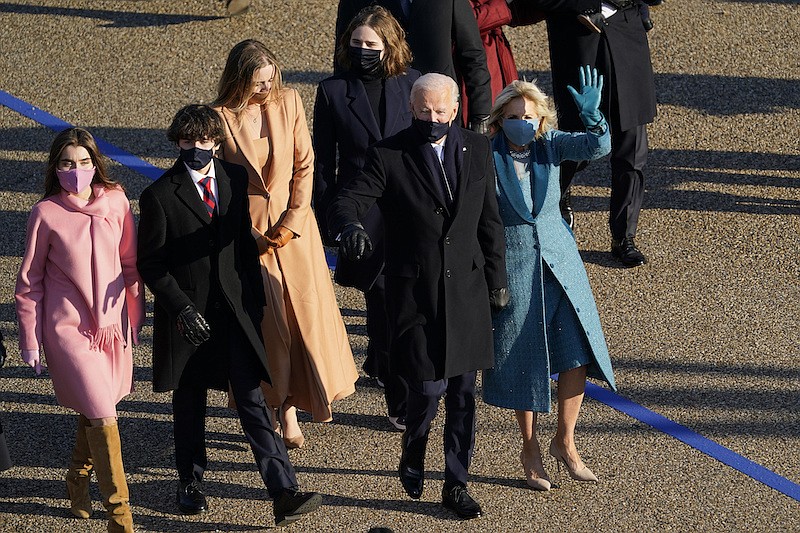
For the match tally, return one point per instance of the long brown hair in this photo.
(236, 84)
(397, 54)
(75, 137)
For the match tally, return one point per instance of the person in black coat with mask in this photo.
(445, 266)
(199, 259)
(368, 101)
(444, 38)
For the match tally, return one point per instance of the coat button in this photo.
(217, 305)
(266, 195)
(211, 243)
(438, 210)
(447, 273)
(447, 240)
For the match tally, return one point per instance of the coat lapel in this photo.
(415, 161)
(507, 178)
(186, 191)
(242, 139)
(394, 100)
(223, 190)
(358, 103)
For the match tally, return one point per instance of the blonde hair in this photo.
(396, 52)
(529, 91)
(236, 83)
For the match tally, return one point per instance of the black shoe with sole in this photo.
(190, 498)
(458, 500)
(626, 251)
(291, 505)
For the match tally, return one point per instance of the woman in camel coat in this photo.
(310, 361)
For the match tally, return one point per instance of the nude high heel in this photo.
(584, 474)
(296, 441)
(536, 483)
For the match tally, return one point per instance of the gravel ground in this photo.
(706, 334)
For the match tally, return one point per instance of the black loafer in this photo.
(627, 252)
(458, 500)
(190, 498)
(292, 505)
(412, 479)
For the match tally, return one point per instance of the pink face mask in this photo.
(75, 180)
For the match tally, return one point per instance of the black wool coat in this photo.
(441, 262)
(181, 252)
(621, 53)
(344, 127)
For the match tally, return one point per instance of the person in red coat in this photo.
(491, 16)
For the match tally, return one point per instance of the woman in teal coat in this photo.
(551, 325)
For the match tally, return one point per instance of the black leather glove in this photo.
(2, 351)
(192, 326)
(355, 242)
(498, 298)
(479, 124)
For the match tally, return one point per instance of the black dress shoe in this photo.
(292, 505)
(190, 498)
(413, 479)
(627, 252)
(458, 500)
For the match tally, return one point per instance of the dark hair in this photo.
(235, 86)
(196, 122)
(397, 54)
(75, 137)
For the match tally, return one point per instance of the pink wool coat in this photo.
(79, 294)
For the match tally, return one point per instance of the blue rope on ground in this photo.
(687, 436)
(602, 395)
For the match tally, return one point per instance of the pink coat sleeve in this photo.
(134, 289)
(30, 288)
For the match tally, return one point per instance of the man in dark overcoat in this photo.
(622, 54)
(444, 38)
(445, 259)
(199, 259)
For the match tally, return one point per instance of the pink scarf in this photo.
(107, 284)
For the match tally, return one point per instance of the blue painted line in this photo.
(44, 118)
(687, 436)
(605, 396)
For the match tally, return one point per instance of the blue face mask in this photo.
(520, 132)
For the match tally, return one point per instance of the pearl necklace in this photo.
(522, 156)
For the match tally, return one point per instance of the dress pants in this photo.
(244, 373)
(459, 425)
(395, 389)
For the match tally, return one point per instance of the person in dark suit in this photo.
(444, 38)
(621, 54)
(197, 256)
(354, 109)
(445, 268)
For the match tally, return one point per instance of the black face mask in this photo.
(365, 60)
(431, 131)
(196, 158)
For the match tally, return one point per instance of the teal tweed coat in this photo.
(537, 238)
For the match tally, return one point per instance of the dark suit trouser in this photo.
(395, 389)
(628, 158)
(459, 424)
(189, 408)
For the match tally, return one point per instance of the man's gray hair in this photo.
(435, 83)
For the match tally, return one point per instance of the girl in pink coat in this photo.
(79, 297)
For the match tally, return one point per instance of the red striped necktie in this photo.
(208, 196)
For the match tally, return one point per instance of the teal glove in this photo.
(588, 100)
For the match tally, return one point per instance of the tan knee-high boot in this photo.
(107, 455)
(79, 474)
